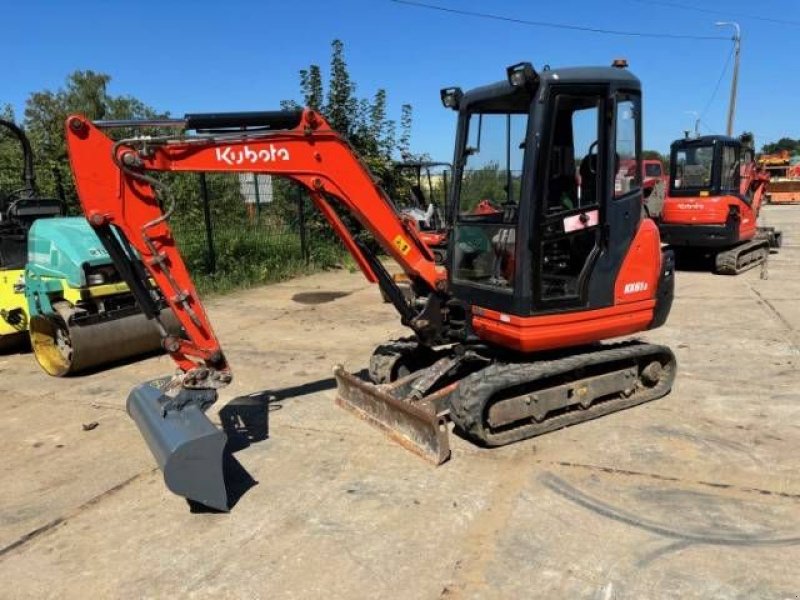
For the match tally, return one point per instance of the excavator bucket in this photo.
(188, 448)
(418, 425)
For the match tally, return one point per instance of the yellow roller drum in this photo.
(63, 347)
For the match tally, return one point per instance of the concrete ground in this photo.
(696, 495)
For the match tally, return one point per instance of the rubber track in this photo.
(742, 258)
(384, 359)
(469, 401)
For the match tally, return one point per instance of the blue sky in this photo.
(236, 55)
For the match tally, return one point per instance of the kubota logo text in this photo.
(236, 157)
(636, 286)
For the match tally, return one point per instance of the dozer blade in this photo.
(418, 426)
(186, 445)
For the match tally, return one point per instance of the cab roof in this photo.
(705, 140)
(620, 77)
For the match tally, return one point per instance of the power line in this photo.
(716, 87)
(482, 15)
(711, 11)
(705, 126)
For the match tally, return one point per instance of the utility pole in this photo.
(737, 48)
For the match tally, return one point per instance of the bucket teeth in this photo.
(188, 448)
(416, 425)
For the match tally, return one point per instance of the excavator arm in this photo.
(129, 207)
(116, 190)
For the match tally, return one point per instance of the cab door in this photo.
(569, 219)
(591, 195)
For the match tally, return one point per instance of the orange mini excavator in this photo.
(506, 333)
(715, 195)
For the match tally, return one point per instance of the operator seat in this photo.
(563, 194)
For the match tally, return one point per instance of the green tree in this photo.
(311, 87)
(364, 121)
(785, 143)
(341, 104)
(85, 92)
(10, 155)
(404, 142)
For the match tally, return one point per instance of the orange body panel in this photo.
(637, 280)
(633, 310)
(531, 334)
(713, 210)
(433, 238)
(709, 210)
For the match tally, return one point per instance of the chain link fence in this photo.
(240, 230)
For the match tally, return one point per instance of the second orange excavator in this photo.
(716, 191)
(505, 334)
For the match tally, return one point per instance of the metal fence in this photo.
(239, 230)
(232, 230)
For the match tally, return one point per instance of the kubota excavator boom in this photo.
(560, 261)
(300, 145)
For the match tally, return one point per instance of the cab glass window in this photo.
(693, 167)
(489, 197)
(573, 195)
(626, 165)
(729, 174)
(572, 173)
(652, 170)
(491, 180)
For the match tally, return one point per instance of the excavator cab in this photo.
(536, 198)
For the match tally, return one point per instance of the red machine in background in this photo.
(715, 194)
(505, 334)
(424, 203)
(654, 182)
(653, 174)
